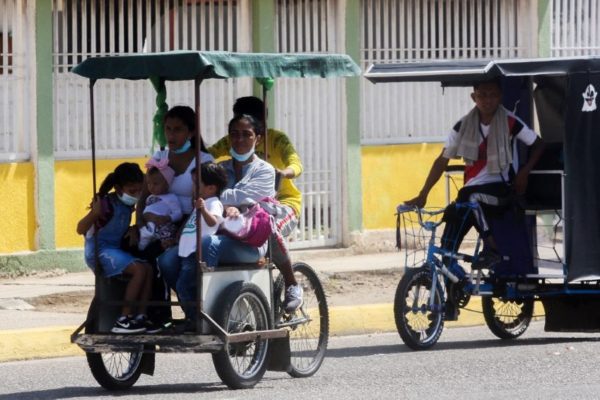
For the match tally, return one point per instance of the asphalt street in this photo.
(467, 363)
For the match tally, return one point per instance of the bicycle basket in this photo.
(415, 227)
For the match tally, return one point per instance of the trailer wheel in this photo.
(243, 308)
(117, 370)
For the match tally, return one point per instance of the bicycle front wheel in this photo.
(309, 325)
(419, 324)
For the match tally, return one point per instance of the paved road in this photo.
(468, 363)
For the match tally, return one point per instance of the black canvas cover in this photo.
(582, 166)
(566, 101)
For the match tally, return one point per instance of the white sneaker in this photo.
(146, 237)
(293, 298)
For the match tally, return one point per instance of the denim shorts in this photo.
(113, 261)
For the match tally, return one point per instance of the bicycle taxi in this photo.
(240, 316)
(562, 271)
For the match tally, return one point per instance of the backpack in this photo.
(256, 226)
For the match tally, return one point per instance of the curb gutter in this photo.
(27, 344)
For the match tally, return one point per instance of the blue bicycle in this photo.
(435, 286)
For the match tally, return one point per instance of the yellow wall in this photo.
(392, 174)
(17, 224)
(73, 191)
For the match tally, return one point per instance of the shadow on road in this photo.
(365, 351)
(77, 392)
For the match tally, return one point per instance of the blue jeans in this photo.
(217, 249)
(180, 272)
(170, 266)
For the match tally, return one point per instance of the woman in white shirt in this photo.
(179, 126)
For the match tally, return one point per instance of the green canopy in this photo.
(187, 65)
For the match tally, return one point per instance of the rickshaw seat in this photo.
(239, 266)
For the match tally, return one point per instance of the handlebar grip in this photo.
(453, 168)
(401, 208)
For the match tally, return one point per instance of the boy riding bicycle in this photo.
(483, 138)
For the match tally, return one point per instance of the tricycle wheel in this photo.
(243, 308)
(116, 371)
(418, 324)
(507, 319)
(309, 336)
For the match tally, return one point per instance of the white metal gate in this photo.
(416, 30)
(124, 109)
(312, 113)
(575, 28)
(17, 94)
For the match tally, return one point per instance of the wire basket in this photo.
(415, 228)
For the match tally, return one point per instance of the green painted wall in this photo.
(353, 162)
(263, 41)
(544, 28)
(45, 140)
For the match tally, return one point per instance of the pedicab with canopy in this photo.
(240, 315)
(565, 183)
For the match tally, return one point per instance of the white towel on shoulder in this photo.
(499, 152)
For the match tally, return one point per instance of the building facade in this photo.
(370, 150)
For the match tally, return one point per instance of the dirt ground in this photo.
(341, 289)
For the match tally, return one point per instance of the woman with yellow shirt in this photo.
(282, 155)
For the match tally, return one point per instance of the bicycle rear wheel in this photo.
(507, 319)
(418, 324)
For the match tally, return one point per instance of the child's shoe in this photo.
(150, 326)
(147, 235)
(128, 325)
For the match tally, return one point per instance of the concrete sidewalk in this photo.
(26, 333)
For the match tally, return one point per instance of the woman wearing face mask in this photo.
(249, 179)
(179, 127)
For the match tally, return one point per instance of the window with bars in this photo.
(439, 29)
(16, 79)
(302, 27)
(124, 109)
(417, 30)
(6, 53)
(108, 27)
(575, 27)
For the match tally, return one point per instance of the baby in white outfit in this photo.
(162, 209)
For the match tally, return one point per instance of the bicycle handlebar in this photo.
(430, 225)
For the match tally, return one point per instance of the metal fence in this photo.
(17, 94)
(575, 28)
(312, 113)
(416, 30)
(84, 28)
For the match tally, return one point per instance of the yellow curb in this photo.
(372, 318)
(26, 344)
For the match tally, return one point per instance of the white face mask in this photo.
(127, 199)
(241, 157)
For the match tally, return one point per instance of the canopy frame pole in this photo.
(265, 118)
(97, 266)
(200, 265)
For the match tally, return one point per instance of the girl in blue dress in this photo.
(110, 216)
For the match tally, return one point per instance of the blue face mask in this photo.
(186, 146)
(128, 200)
(241, 157)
